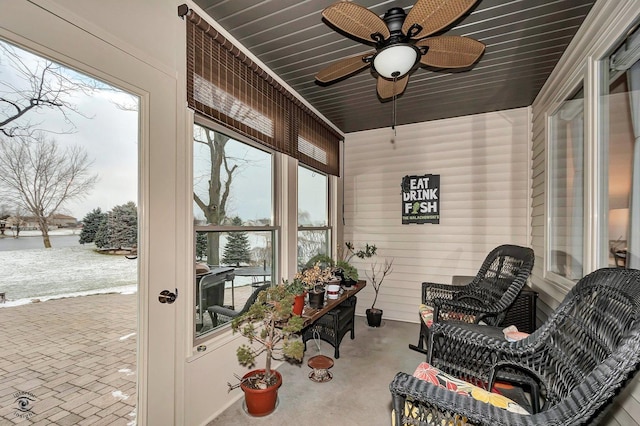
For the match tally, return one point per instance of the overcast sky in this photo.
(108, 134)
(110, 137)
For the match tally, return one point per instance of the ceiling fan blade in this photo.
(388, 88)
(450, 51)
(343, 68)
(356, 20)
(434, 15)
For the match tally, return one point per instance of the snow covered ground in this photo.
(63, 272)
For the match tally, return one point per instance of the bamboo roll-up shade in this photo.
(228, 87)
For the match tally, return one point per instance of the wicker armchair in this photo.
(581, 357)
(495, 287)
(222, 314)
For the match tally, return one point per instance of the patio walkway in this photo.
(69, 362)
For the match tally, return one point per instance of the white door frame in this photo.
(63, 40)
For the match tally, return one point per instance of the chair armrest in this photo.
(221, 310)
(472, 335)
(438, 404)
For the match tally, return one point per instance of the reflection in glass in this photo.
(621, 100)
(620, 168)
(566, 189)
(313, 189)
(311, 243)
(247, 263)
(313, 215)
(233, 219)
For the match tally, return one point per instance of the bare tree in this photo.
(215, 208)
(18, 221)
(40, 177)
(34, 84)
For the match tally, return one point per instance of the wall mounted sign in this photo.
(421, 199)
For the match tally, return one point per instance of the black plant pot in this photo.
(348, 283)
(345, 282)
(374, 317)
(316, 300)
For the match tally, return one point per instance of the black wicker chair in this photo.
(581, 357)
(495, 287)
(222, 314)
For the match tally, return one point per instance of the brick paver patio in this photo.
(69, 362)
(73, 361)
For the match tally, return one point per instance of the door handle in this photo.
(167, 297)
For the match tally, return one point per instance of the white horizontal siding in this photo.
(483, 163)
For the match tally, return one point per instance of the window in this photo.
(313, 215)
(566, 189)
(621, 116)
(234, 230)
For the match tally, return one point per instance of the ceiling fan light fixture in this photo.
(395, 60)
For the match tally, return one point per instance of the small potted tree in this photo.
(346, 270)
(376, 277)
(298, 290)
(315, 279)
(271, 329)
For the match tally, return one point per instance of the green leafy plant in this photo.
(365, 253)
(349, 272)
(322, 259)
(296, 287)
(269, 323)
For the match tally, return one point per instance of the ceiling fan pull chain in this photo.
(393, 124)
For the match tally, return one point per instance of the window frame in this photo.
(329, 228)
(558, 105)
(592, 71)
(275, 227)
(574, 86)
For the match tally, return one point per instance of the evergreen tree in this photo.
(123, 220)
(120, 229)
(238, 248)
(201, 245)
(101, 238)
(91, 222)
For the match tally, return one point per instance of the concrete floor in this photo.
(358, 394)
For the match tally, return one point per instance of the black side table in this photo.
(333, 325)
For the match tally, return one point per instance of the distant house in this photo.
(63, 221)
(30, 222)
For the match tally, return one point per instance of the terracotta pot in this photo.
(298, 304)
(261, 402)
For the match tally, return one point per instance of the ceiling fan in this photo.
(401, 41)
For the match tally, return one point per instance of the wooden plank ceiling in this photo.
(524, 40)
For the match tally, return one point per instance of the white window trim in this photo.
(223, 335)
(606, 26)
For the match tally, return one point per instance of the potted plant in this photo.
(298, 290)
(348, 272)
(315, 279)
(271, 329)
(376, 278)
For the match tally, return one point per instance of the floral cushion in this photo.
(426, 313)
(439, 378)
